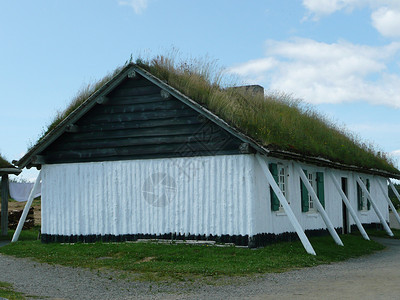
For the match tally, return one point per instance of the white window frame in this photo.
(283, 185)
(364, 198)
(312, 177)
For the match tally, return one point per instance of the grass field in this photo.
(26, 235)
(383, 234)
(7, 292)
(182, 262)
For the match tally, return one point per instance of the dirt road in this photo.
(371, 277)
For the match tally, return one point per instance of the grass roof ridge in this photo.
(83, 95)
(276, 121)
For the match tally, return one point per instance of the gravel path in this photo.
(370, 277)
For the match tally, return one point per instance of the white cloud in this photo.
(395, 153)
(327, 7)
(385, 14)
(326, 73)
(396, 157)
(319, 8)
(139, 6)
(256, 66)
(387, 21)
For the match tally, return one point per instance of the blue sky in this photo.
(341, 56)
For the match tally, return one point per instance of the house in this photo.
(6, 169)
(143, 157)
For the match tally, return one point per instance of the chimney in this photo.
(254, 89)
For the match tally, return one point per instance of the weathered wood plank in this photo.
(72, 128)
(107, 126)
(139, 81)
(142, 156)
(136, 141)
(102, 100)
(128, 133)
(177, 150)
(134, 99)
(145, 90)
(139, 116)
(4, 205)
(142, 107)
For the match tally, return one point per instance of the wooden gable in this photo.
(138, 120)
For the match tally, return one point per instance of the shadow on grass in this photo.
(383, 233)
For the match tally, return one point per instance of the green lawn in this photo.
(175, 261)
(383, 234)
(26, 235)
(7, 291)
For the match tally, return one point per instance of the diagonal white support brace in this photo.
(377, 211)
(349, 207)
(394, 189)
(320, 208)
(292, 218)
(26, 209)
(389, 202)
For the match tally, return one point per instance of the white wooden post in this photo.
(320, 208)
(349, 207)
(26, 209)
(389, 202)
(292, 218)
(377, 211)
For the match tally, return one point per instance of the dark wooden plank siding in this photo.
(137, 123)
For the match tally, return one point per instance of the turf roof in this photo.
(4, 163)
(277, 122)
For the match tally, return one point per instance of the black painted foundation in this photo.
(239, 240)
(373, 226)
(258, 240)
(264, 239)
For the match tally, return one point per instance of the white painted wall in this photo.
(207, 195)
(204, 195)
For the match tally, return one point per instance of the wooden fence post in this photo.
(4, 204)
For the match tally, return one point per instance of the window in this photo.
(310, 199)
(362, 199)
(279, 172)
(282, 183)
(316, 180)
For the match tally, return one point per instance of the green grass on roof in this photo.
(4, 163)
(276, 121)
(82, 95)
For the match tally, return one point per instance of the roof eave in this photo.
(331, 164)
(13, 171)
